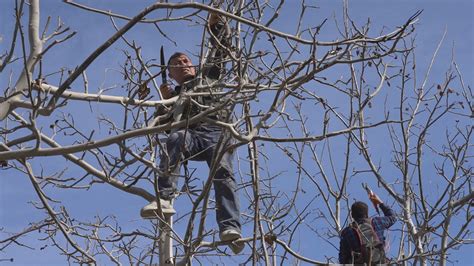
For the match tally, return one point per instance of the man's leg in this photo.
(227, 204)
(227, 199)
(170, 161)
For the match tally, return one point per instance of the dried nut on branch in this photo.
(270, 239)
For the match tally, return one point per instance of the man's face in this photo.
(181, 69)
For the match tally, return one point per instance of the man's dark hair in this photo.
(173, 56)
(359, 210)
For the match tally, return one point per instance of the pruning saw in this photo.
(163, 65)
(370, 192)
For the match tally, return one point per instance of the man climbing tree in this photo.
(323, 94)
(364, 241)
(200, 141)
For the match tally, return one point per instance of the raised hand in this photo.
(166, 91)
(374, 198)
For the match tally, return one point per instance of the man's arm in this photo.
(389, 219)
(344, 252)
(220, 41)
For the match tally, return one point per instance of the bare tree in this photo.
(338, 112)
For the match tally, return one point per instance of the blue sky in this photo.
(16, 191)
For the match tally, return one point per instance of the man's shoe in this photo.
(232, 235)
(151, 210)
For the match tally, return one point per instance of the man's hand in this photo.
(375, 199)
(166, 91)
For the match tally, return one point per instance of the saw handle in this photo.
(373, 198)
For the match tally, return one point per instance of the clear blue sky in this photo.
(15, 189)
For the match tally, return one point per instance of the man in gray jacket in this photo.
(199, 141)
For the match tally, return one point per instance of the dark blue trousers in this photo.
(198, 144)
